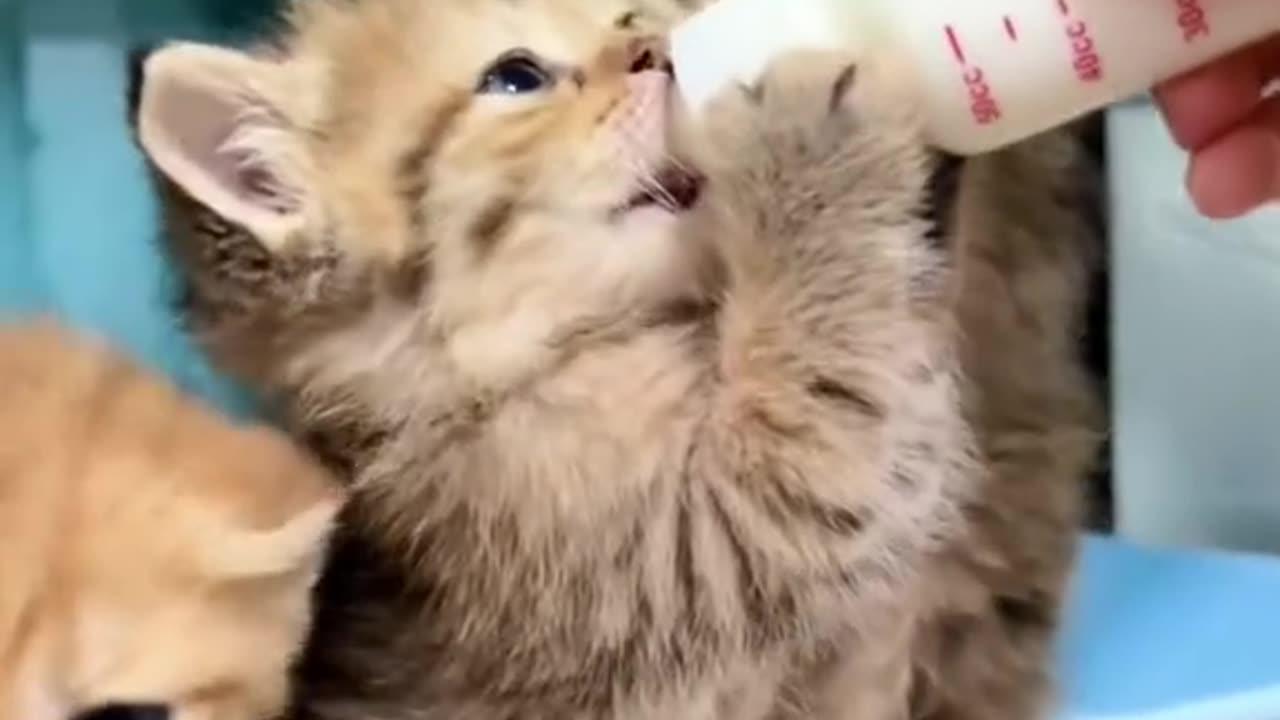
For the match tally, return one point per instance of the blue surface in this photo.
(1163, 635)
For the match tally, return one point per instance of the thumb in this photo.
(1240, 171)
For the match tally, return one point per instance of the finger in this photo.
(1241, 170)
(1206, 103)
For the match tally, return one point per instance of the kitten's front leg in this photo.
(818, 177)
(834, 451)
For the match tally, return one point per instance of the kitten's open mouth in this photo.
(675, 189)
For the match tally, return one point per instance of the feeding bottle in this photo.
(988, 72)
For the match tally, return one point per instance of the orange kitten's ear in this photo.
(299, 544)
(211, 121)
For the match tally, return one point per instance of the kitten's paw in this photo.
(804, 100)
(815, 120)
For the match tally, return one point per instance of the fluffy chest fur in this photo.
(598, 540)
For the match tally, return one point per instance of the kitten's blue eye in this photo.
(514, 75)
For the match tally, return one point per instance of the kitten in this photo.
(155, 561)
(644, 419)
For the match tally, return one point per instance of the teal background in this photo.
(77, 236)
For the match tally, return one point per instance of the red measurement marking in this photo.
(1063, 7)
(1084, 52)
(1010, 29)
(956, 48)
(1192, 20)
(983, 104)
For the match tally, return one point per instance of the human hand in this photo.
(1218, 113)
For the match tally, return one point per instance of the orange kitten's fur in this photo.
(778, 453)
(150, 553)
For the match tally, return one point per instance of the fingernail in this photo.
(1236, 174)
(1274, 166)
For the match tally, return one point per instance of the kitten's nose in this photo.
(649, 54)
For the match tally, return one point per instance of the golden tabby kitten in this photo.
(155, 561)
(645, 419)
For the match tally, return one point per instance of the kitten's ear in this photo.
(210, 119)
(297, 545)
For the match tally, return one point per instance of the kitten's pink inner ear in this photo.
(201, 125)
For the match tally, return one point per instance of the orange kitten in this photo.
(155, 561)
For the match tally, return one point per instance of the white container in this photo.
(990, 72)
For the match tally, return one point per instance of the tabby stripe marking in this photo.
(414, 166)
(491, 225)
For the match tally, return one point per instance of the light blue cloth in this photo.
(1166, 635)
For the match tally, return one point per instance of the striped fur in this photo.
(782, 456)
